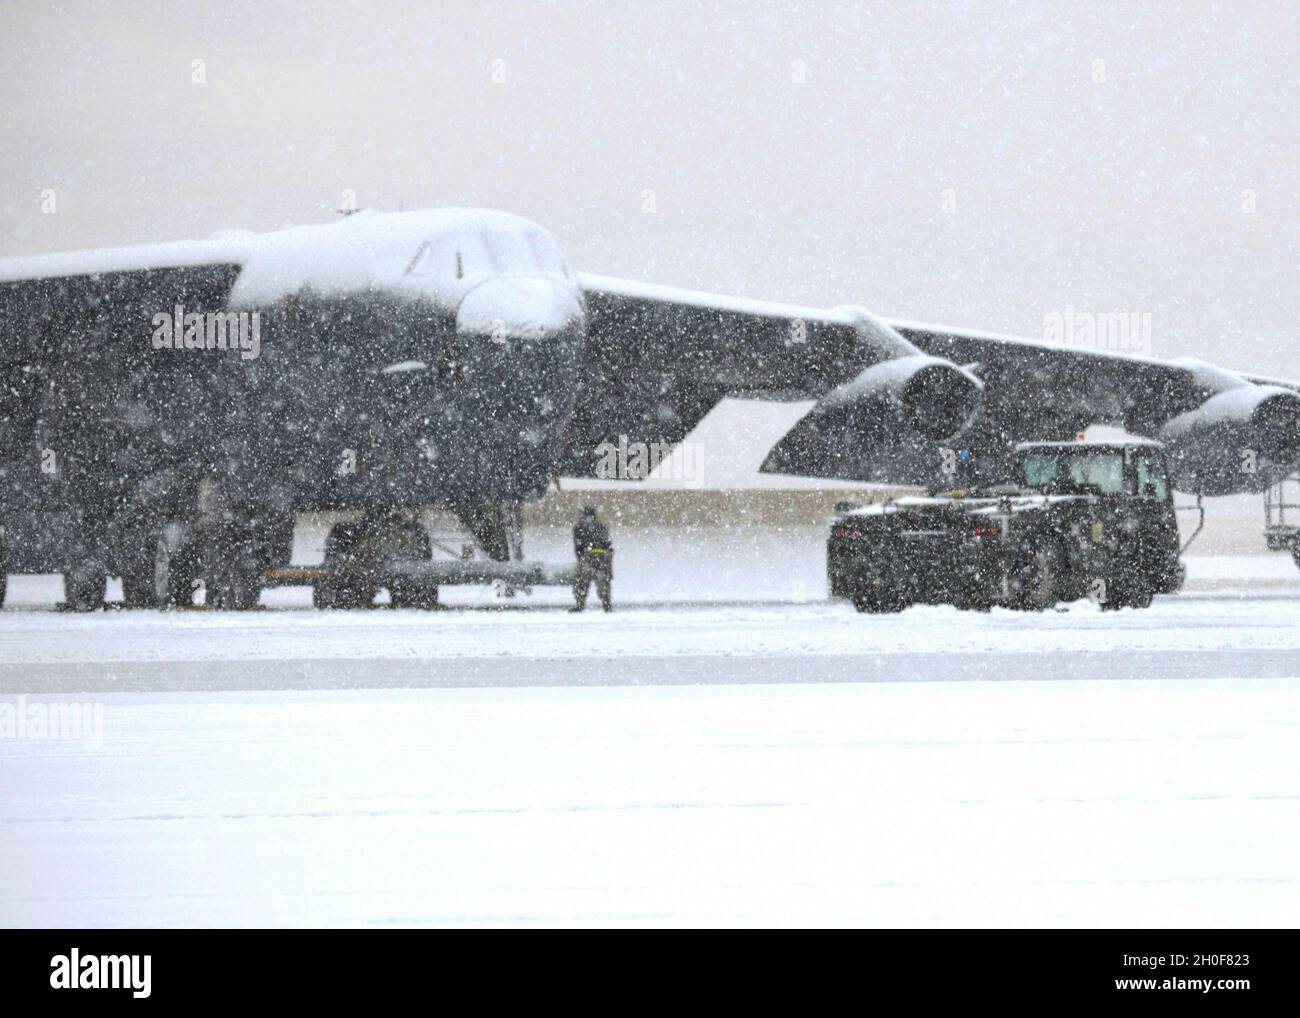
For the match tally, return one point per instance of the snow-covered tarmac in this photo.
(762, 757)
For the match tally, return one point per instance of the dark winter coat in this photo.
(591, 536)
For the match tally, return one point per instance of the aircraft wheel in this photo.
(341, 590)
(84, 587)
(407, 594)
(234, 590)
(333, 593)
(138, 587)
(324, 595)
(402, 595)
(175, 575)
(230, 574)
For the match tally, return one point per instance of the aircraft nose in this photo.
(519, 308)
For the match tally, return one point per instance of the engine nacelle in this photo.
(1242, 439)
(926, 394)
(883, 424)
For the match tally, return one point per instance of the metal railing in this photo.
(1282, 512)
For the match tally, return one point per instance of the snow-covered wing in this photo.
(1041, 389)
(228, 248)
(59, 311)
(659, 358)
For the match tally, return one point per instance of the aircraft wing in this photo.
(660, 358)
(58, 312)
(1084, 382)
(1216, 422)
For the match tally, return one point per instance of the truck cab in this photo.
(1078, 519)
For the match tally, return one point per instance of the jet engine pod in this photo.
(883, 425)
(925, 394)
(1243, 439)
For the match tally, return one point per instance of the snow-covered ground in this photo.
(725, 748)
(1098, 803)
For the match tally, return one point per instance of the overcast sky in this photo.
(978, 164)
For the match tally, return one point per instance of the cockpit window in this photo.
(423, 264)
(468, 253)
(1069, 472)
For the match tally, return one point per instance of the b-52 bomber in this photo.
(166, 410)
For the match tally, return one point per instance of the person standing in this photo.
(595, 555)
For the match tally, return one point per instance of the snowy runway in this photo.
(738, 762)
(1143, 803)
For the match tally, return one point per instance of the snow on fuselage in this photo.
(403, 358)
(485, 301)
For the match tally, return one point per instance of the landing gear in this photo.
(497, 528)
(348, 584)
(231, 576)
(175, 574)
(139, 589)
(414, 541)
(233, 588)
(85, 586)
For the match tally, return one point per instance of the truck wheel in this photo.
(878, 602)
(84, 588)
(1295, 555)
(1033, 580)
(1134, 593)
(1142, 596)
(878, 586)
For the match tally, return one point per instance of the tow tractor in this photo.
(1082, 519)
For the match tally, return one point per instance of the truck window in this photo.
(1070, 470)
(1040, 469)
(1150, 471)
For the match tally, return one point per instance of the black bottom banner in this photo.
(142, 969)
